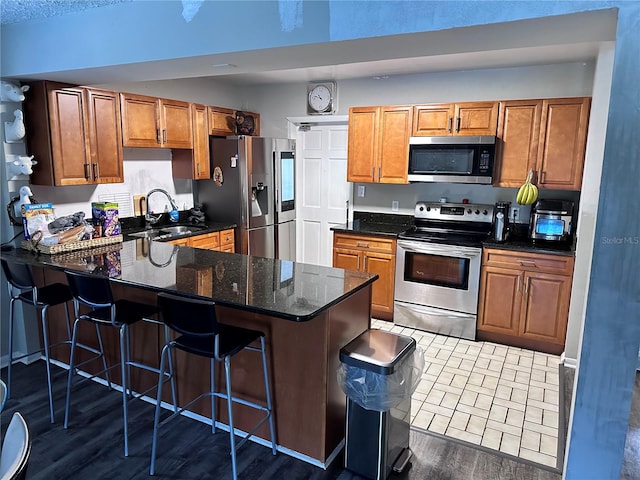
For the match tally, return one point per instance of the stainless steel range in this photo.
(438, 268)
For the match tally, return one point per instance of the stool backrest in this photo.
(18, 274)
(188, 316)
(92, 290)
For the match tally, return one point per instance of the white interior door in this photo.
(321, 165)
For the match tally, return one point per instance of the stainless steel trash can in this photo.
(377, 442)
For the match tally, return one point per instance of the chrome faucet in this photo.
(150, 219)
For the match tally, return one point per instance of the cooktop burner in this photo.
(451, 223)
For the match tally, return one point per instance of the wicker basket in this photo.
(71, 246)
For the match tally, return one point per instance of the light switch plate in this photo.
(394, 205)
(361, 190)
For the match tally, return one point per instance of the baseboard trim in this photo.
(568, 362)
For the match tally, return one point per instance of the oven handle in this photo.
(449, 251)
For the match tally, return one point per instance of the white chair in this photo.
(16, 448)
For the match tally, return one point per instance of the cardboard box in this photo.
(36, 217)
(106, 217)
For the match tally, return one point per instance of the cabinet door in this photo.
(517, 148)
(545, 309)
(433, 120)
(201, 165)
(476, 118)
(500, 300)
(105, 136)
(363, 144)
(346, 259)
(221, 121)
(177, 130)
(71, 162)
(393, 138)
(563, 138)
(227, 237)
(179, 241)
(140, 120)
(382, 290)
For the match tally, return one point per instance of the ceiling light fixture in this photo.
(222, 65)
(380, 77)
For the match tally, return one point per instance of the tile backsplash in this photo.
(144, 170)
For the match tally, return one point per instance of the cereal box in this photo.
(35, 218)
(105, 214)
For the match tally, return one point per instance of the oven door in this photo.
(436, 275)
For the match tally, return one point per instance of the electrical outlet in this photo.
(394, 205)
(515, 214)
(361, 190)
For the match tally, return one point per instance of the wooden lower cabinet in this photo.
(371, 255)
(524, 299)
(222, 241)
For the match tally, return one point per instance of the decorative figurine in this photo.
(19, 165)
(14, 131)
(10, 92)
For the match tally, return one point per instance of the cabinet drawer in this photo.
(209, 241)
(364, 243)
(535, 262)
(226, 237)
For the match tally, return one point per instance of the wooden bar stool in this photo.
(23, 288)
(202, 335)
(95, 292)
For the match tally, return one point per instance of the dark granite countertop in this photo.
(288, 290)
(378, 224)
(521, 242)
(199, 229)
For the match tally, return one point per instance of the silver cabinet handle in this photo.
(379, 173)
(96, 171)
(450, 125)
(164, 135)
(457, 124)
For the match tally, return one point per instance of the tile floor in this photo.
(503, 398)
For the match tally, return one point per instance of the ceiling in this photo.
(561, 39)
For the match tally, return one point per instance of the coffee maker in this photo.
(500, 222)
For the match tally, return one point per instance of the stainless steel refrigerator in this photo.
(253, 186)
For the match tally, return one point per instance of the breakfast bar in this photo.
(307, 313)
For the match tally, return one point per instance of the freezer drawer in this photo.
(286, 241)
(261, 242)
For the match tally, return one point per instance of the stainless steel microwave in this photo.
(452, 159)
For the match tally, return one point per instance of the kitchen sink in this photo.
(166, 232)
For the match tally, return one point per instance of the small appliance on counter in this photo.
(552, 220)
(500, 230)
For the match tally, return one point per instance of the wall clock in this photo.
(321, 98)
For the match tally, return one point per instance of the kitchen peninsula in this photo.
(307, 313)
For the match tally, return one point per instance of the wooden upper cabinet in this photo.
(105, 136)
(74, 132)
(362, 144)
(155, 122)
(393, 144)
(433, 120)
(546, 136)
(140, 120)
(563, 139)
(194, 163)
(378, 148)
(517, 145)
(221, 121)
(471, 118)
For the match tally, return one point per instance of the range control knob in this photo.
(469, 211)
(428, 209)
(484, 212)
(477, 212)
(421, 208)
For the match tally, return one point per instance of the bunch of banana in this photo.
(528, 193)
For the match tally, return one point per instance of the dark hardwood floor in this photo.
(92, 446)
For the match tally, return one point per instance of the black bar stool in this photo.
(95, 292)
(202, 335)
(22, 288)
